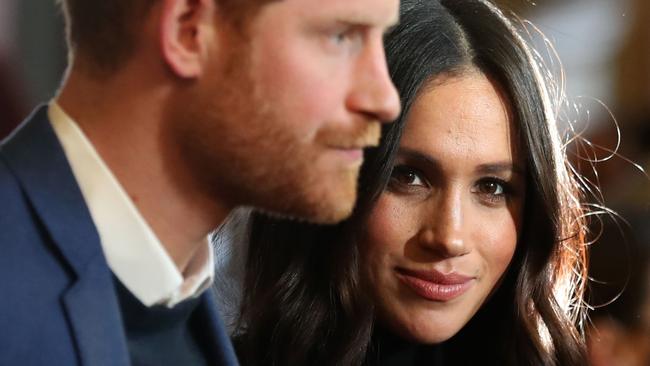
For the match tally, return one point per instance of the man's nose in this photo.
(374, 93)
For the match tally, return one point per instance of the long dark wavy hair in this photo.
(303, 301)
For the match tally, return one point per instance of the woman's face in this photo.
(441, 236)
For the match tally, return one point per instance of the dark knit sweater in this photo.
(158, 335)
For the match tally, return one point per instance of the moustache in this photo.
(361, 134)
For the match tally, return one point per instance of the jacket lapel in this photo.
(37, 159)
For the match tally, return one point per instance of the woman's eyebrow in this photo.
(499, 167)
(486, 168)
(418, 157)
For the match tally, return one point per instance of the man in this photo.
(173, 112)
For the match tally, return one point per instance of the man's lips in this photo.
(351, 153)
(434, 285)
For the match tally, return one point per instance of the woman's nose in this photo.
(444, 231)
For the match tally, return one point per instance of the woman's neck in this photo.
(388, 349)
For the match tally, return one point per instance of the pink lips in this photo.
(354, 154)
(435, 286)
(351, 154)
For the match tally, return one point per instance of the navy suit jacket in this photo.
(58, 304)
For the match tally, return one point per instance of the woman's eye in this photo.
(406, 176)
(491, 187)
(492, 190)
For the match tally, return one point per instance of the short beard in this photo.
(261, 166)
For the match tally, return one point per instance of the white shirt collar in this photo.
(133, 252)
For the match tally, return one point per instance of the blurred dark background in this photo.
(32, 57)
(604, 47)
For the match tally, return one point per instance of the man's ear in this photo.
(186, 33)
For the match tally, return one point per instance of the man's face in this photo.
(280, 118)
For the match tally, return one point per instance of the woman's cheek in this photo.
(389, 225)
(499, 241)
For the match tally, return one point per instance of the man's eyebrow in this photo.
(363, 20)
(361, 24)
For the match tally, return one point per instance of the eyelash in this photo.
(504, 189)
(402, 171)
(341, 36)
(493, 198)
(350, 38)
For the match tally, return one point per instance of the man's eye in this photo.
(351, 38)
(341, 37)
(406, 176)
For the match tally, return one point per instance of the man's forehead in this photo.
(383, 13)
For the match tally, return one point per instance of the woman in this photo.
(467, 244)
